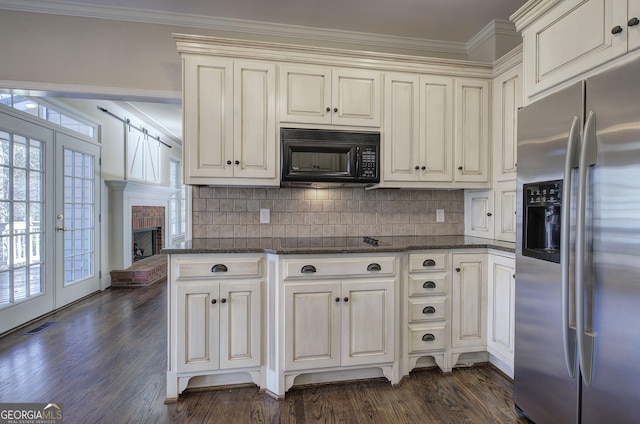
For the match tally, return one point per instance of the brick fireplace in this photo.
(147, 225)
(136, 206)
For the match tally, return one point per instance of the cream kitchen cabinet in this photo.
(229, 122)
(566, 39)
(436, 131)
(505, 211)
(426, 308)
(330, 96)
(215, 319)
(336, 314)
(468, 304)
(479, 213)
(501, 307)
(507, 98)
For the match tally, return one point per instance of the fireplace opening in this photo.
(145, 243)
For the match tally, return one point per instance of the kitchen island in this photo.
(282, 311)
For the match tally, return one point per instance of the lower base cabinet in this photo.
(501, 311)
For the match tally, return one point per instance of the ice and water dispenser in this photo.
(542, 211)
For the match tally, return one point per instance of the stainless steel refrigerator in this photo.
(577, 307)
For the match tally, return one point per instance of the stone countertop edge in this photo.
(328, 245)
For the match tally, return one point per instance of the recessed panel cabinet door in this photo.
(367, 322)
(305, 94)
(501, 302)
(472, 130)
(312, 325)
(240, 321)
(198, 341)
(469, 301)
(436, 128)
(356, 97)
(208, 118)
(255, 146)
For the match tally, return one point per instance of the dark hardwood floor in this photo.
(104, 359)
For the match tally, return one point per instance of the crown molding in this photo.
(531, 11)
(364, 40)
(495, 27)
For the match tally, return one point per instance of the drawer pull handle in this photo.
(429, 310)
(308, 269)
(429, 262)
(428, 337)
(374, 267)
(429, 285)
(219, 268)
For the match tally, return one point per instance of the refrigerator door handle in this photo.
(587, 159)
(572, 161)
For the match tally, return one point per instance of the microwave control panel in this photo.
(369, 161)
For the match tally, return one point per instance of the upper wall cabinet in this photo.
(321, 95)
(436, 131)
(507, 98)
(229, 122)
(565, 39)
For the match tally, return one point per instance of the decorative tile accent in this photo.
(298, 212)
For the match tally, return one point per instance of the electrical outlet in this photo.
(439, 215)
(265, 216)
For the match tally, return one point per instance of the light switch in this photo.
(265, 216)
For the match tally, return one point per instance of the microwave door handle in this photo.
(358, 159)
(572, 160)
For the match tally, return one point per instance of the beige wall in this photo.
(296, 212)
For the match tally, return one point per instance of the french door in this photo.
(49, 204)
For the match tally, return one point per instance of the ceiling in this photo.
(443, 21)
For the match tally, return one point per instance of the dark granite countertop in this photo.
(332, 245)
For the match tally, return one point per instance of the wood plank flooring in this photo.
(104, 359)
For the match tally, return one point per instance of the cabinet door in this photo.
(367, 322)
(505, 216)
(402, 128)
(312, 325)
(240, 321)
(255, 149)
(469, 301)
(305, 94)
(436, 128)
(501, 301)
(572, 38)
(506, 101)
(198, 323)
(356, 97)
(208, 118)
(479, 219)
(633, 31)
(472, 130)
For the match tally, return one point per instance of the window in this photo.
(39, 109)
(178, 203)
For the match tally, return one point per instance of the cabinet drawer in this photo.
(428, 284)
(426, 309)
(216, 267)
(339, 267)
(424, 339)
(419, 262)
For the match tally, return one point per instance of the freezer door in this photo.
(612, 294)
(544, 389)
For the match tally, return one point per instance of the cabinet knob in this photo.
(416, 167)
(616, 30)
(346, 299)
(457, 269)
(228, 162)
(213, 301)
(219, 268)
(237, 162)
(429, 310)
(223, 300)
(335, 109)
(488, 213)
(460, 168)
(337, 299)
(633, 21)
(328, 109)
(428, 337)
(308, 269)
(429, 262)
(374, 267)
(429, 285)
(514, 275)
(423, 167)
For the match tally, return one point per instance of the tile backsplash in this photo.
(222, 212)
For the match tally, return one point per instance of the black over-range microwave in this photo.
(322, 158)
